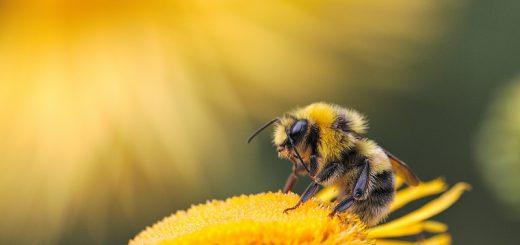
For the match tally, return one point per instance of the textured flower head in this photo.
(258, 219)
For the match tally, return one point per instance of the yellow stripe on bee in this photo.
(379, 161)
(331, 147)
(321, 114)
(357, 122)
(366, 147)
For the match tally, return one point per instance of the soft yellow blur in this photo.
(102, 101)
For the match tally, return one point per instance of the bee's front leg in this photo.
(331, 171)
(291, 180)
(297, 170)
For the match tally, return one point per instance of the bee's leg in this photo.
(313, 167)
(358, 192)
(289, 183)
(297, 169)
(331, 171)
(308, 193)
(342, 206)
(361, 184)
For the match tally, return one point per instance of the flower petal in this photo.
(442, 239)
(398, 182)
(430, 209)
(412, 193)
(428, 226)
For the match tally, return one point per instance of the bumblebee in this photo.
(327, 142)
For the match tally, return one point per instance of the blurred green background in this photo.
(115, 114)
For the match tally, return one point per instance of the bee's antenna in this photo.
(298, 155)
(254, 134)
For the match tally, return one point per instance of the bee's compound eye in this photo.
(298, 127)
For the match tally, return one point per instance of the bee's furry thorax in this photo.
(333, 123)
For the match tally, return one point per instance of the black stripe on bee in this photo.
(313, 165)
(313, 138)
(352, 157)
(331, 171)
(383, 189)
(341, 123)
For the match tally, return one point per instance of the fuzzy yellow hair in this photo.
(324, 115)
(279, 135)
(356, 121)
(369, 149)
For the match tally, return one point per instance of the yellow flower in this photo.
(258, 219)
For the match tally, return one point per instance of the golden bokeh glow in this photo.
(100, 98)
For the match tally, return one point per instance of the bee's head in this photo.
(319, 128)
(290, 133)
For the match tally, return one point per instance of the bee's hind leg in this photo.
(358, 193)
(342, 206)
(307, 194)
(360, 189)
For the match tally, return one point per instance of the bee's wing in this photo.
(401, 169)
